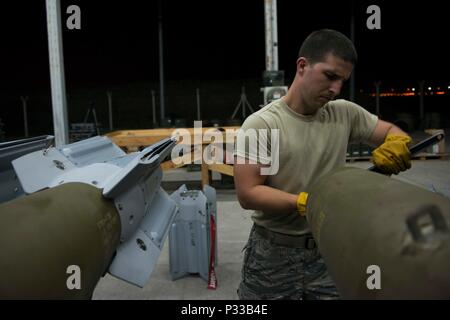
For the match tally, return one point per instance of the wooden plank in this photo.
(428, 156)
(181, 161)
(222, 168)
(143, 138)
(205, 173)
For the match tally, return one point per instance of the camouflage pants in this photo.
(274, 272)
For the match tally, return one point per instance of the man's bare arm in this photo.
(382, 129)
(253, 194)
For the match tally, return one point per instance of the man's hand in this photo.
(393, 155)
(301, 203)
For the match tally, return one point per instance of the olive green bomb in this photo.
(56, 243)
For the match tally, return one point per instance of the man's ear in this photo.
(301, 65)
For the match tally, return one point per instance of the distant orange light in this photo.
(405, 94)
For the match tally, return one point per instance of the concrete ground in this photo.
(234, 224)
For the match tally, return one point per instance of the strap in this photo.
(212, 279)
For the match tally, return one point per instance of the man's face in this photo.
(322, 81)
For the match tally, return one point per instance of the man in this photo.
(281, 260)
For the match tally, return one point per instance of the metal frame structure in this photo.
(56, 60)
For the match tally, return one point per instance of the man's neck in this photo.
(295, 102)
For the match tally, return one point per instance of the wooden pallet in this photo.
(428, 156)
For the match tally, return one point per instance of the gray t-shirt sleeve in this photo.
(253, 140)
(362, 123)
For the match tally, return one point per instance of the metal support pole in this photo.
(271, 32)
(110, 112)
(198, 103)
(154, 108)
(25, 116)
(377, 97)
(243, 99)
(243, 103)
(161, 63)
(274, 35)
(94, 114)
(421, 103)
(55, 48)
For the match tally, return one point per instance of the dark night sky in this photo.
(209, 40)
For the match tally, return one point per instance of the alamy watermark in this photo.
(73, 281)
(213, 146)
(374, 281)
(374, 20)
(74, 20)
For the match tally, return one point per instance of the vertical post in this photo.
(243, 99)
(161, 63)
(205, 173)
(110, 112)
(274, 34)
(55, 48)
(421, 103)
(94, 114)
(271, 32)
(25, 116)
(377, 97)
(198, 104)
(153, 108)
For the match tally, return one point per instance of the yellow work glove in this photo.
(301, 203)
(393, 155)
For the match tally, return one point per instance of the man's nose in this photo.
(336, 87)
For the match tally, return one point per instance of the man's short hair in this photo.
(322, 42)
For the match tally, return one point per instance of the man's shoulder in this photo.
(265, 117)
(274, 107)
(340, 103)
(343, 106)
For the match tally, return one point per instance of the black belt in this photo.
(305, 241)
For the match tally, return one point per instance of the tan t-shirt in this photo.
(309, 147)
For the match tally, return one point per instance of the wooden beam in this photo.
(133, 139)
(222, 168)
(180, 161)
(206, 174)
